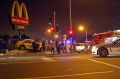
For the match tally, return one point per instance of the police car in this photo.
(104, 50)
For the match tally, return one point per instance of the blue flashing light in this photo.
(68, 41)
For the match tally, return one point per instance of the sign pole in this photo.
(19, 31)
(20, 21)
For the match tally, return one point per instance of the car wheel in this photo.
(22, 47)
(103, 52)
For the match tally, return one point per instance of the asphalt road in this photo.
(60, 67)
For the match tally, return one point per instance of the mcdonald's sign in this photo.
(19, 14)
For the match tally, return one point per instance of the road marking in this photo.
(72, 75)
(20, 62)
(29, 61)
(38, 59)
(48, 59)
(118, 67)
(23, 60)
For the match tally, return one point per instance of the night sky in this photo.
(96, 15)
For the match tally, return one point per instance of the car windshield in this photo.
(80, 44)
(118, 40)
(77, 44)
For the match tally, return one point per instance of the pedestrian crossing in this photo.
(55, 59)
(37, 59)
(46, 59)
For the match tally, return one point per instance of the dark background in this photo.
(96, 15)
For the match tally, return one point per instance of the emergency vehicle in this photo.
(100, 37)
(109, 46)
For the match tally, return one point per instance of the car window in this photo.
(118, 41)
(77, 44)
(61, 44)
(80, 44)
(28, 41)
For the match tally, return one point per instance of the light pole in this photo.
(86, 35)
(70, 15)
(54, 19)
(71, 30)
(70, 18)
(81, 28)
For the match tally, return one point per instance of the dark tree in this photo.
(6, 37)
(24, 36)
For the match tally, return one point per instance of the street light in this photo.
(56, 36)
(81, 28)
(49, 31)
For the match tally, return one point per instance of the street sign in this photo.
(64, 37)
(20, 27)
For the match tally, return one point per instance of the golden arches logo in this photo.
(19, 19)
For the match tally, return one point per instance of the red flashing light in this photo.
(70, 32)
(52, 28)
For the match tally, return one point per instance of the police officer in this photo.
(35, 46)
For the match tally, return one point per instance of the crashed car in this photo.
(27, 44)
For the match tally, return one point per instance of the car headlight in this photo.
(94, 49)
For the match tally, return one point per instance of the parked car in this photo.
(27, 44)
(80, 47)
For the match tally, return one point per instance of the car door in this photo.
(28, 44)
(116, 47)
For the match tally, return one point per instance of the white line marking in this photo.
(19, 62)
(43, 59)
(22, 62)
(48, 59)
(118, 67)
(72, 75)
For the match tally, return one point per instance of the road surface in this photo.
(60, 67)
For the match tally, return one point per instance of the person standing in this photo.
(35, 46)
(43, 46)
(68, 47)
(58, 47)
(53, 47)
(74, 46)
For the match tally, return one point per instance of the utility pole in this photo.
(71, 31)
(86, 35)
(19, 32)
(70, 15)
(54, 32)
(54, 20)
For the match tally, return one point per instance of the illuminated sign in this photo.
(19, 14)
